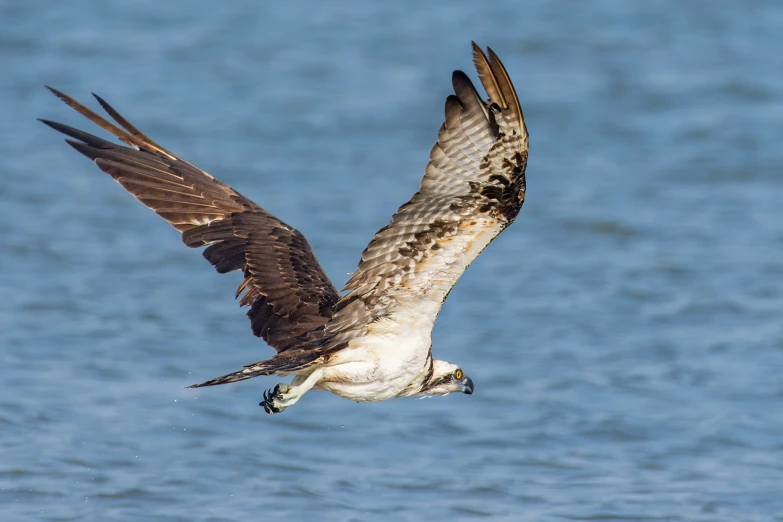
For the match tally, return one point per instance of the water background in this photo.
(625, 335)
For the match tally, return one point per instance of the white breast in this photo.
(380, 365)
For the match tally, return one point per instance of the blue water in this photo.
(625, 335)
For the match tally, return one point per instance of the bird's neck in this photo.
(422, 380)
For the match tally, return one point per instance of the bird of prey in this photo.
(373, 342)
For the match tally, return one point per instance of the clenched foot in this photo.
(274, 399)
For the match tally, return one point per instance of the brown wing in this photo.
(289, 295)
(473, 188)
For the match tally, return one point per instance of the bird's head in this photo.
(447, 378)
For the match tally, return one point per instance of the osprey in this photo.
(373, 342)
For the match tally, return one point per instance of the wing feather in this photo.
(509, 93)
(289, 295)
(487, 76)
(473, 188)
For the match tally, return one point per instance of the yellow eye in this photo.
(458, 374)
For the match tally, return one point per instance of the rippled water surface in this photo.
(624, 335)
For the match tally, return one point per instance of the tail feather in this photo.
(241, 375)
(285, 362)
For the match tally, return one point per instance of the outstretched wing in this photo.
(289, 295)
(473, 188)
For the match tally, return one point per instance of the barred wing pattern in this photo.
(473, 188)
(289, 295)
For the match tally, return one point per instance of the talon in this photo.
(271, 409)
(269, 400)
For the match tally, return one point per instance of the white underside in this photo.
(359, 375)
(383, 364)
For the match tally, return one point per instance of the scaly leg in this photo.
(286, 395)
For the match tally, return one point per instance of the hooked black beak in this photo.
(467, 386)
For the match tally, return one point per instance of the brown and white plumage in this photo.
(373, 343)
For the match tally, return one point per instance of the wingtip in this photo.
(63, 97)
(48, 123)
(505, 84)
(54, 91)
(51, 124)
(108, 108)
(478, 53)
(78, 145)
(100, 100)
(458, 76)
(493, 58)
(487, 76)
